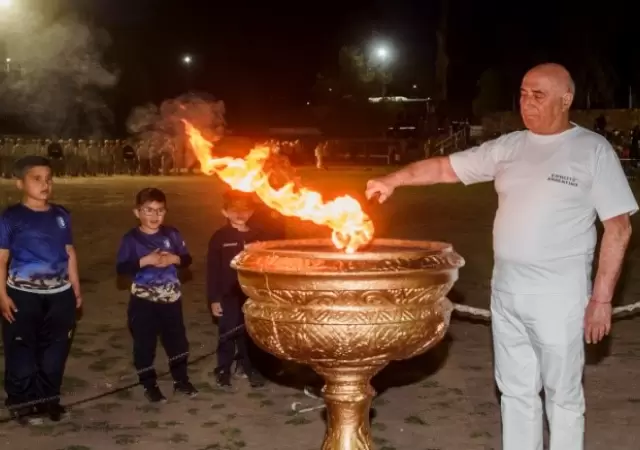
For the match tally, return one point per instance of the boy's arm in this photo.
(74, 276)
(5, 245)
(183, 252)
(126, 262)
(7, 307)
(4, 262)
(213, 270)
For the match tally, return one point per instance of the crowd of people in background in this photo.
(625, 142)
(106, 157)
(95, 157)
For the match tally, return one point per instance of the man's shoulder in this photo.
(511, 138)
(586, 136)
(588, 146)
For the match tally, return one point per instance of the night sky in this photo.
(261, 58)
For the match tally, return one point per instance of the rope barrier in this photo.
(618, 311)
(465, 310)
(308, 392)
(18, 406)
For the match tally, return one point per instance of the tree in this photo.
(442, 57)
(342, 98)
(596, 82)
(491, 93)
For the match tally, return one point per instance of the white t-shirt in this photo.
(550, 188)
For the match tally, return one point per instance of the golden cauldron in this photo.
(347, 315)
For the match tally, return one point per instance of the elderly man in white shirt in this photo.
(552, 180)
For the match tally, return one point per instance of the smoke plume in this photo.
(160, 128)
(56, 77)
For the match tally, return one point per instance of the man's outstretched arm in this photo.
(422, 173)
(475, 165)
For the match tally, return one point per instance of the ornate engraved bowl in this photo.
(347, 315)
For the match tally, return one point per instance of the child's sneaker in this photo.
(185, 387)
(239, 371)
(26, 416)
(223, 377)
(256, 380)
(154, 394)
(56, 412)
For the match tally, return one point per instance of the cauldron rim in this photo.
(406, 248)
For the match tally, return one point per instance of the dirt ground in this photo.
(444, 400)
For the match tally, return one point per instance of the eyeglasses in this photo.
(147, 211)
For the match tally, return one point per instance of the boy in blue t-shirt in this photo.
(151, 254)
(39, 294)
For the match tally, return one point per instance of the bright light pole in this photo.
(381, 56)
(5, 5)
(6, 10)
(187, 61)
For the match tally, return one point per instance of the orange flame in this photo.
(352, 228)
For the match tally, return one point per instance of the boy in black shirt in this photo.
(223, 290)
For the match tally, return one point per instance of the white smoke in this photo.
(160, 128)
(57, 77)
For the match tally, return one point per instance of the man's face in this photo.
(542, 102)
(37, 183)
(151, 214)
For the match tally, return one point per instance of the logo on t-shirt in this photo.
(167, 244)
(571, 181)
(61, 222)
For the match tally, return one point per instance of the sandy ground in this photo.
(444, 400)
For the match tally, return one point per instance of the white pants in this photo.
(538, 344)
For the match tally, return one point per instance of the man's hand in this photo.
(7, 308)
(216, 309)
(152, 259)
(379, 187)
(597, 321)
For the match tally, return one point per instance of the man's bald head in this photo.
(557, 74)
(546, 95)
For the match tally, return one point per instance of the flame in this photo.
(351, 227)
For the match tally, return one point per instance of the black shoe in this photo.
(256, 380)
(56, 412)
(223, 377)
(29, 415)
(239, 371)
(20, 415)
(185, 387)
(154, 394)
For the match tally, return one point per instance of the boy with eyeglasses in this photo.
(151, 254)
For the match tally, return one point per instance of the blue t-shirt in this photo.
(156, 284)
(37, 242)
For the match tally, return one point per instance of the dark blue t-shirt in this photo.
(37, 242)
(222, 279)
(156, 284)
